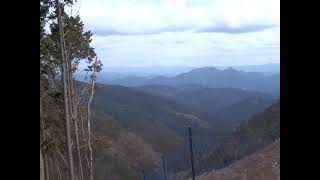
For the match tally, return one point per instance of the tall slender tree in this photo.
(65, 79)
(63, 45)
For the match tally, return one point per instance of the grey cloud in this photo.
(179, 42)
(216, 29)
(237, 30)
(272, 45)
(192, 3)
(110, 31)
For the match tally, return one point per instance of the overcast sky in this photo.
(183, 32)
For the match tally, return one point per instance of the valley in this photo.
(148, 122)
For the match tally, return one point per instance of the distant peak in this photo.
(230, 69)
(206, 69)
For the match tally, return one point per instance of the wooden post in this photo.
(191, 155)
(143, 175)
(164, 169)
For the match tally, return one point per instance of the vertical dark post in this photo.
(164, 169)
(191, 155)
(143, 175)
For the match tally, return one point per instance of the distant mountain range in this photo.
(203, 99)
(210, 77)
(270, 68)
(113, 73)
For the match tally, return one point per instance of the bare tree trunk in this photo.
(65, 92)
(43, 138)
(61, 156)
(82, 98)
(78, 143)
(58, 168)
(51, 168)
(42, 134)
(41, 167)
(89, 117)
(75, 104)
(46, 168)
(84, 140)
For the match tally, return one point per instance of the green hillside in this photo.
(161, 122)
(119, 154)
(203, 99)
(256, 133)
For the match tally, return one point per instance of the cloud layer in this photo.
(184, 32)
(151, 17)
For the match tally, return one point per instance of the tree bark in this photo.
(42, 140)
(89, 118)
(65, 92)
(57, 167)
(85, 142)
(41, 167)
(46, 168)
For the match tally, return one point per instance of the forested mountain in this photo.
(236, 113)
(204, 99)
(154, 116)
(119, 153)
(159, 121)
(224, 107)
(211, 77)
(256, 133)
(158, 125)
(249, 137)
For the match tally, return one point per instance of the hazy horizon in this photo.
(118, 72)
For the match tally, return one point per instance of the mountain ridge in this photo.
(209, 77)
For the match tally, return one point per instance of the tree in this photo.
(63, 45)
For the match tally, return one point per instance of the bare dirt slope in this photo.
(263, 165)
